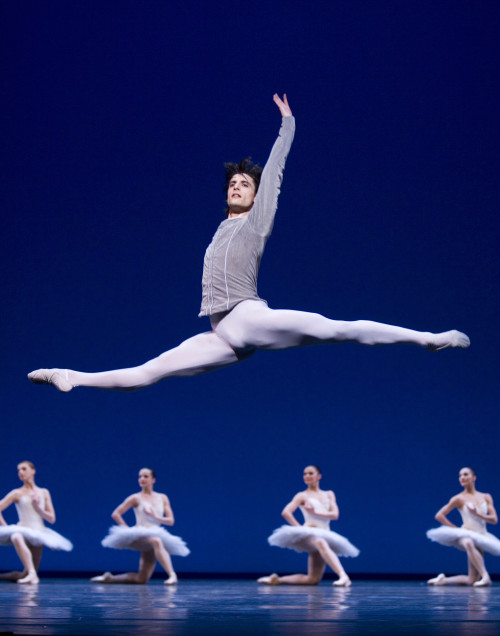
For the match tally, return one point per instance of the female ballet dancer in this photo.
(154, 543)
(29, 535)
(476, 509)
(241, 321)
(315, 537)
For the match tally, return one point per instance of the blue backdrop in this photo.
(117, 118)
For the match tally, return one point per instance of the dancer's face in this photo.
(146, 479)
(24, 471)
(240, 193)
(311, 476)
(466, 477)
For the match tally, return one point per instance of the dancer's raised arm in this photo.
(261, 215)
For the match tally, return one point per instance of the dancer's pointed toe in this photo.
(272, 579)
(344, 581)
(172, 580)
(102, 578)
(449, 339)
(485, 581)
(30, 579)
(55, 377)
(437, 580)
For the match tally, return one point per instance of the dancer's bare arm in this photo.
(441, 515)
(130, 502)
(168, 516)
(47, 513)
(9, 499)
(291, 507)
(491, 515)
(333, 509)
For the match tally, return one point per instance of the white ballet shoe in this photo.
(485, 581)
(102, 578)
(55, 377)
(449, 339)
(172, 580)
(30, 578)
(344, 581)
(437, 580)
(272, 579)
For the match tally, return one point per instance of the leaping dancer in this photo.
(241, 321)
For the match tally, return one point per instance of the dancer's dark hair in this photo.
(246, 166)
(30, 464)
(316, 467)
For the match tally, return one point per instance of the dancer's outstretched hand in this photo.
(282, 104)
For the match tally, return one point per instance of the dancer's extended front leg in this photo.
(253, 324)
(199, 354)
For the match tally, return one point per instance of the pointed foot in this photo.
(485, 581)
(102, 578)
(272, 579)
(449, 339)
(344, 581)
(30, 579)
(437, 580)
(55, 377)
(172, 580)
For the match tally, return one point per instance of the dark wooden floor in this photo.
(206, 607)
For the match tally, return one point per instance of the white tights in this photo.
(252, 325)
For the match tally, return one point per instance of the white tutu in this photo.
(298, 538)
(38, 536)
(446, 535)
(135, 538)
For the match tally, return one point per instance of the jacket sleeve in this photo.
(261, 216)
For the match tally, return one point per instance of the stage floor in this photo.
(228, 607)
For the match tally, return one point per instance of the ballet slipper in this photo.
(437, 580)
(272, 579)
(453, 338)
(56, 377)
(172, 580)
(30, 578)
(485, 581)
(102, 578)
(344, 581)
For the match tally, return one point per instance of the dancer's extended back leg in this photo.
(200, 354)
